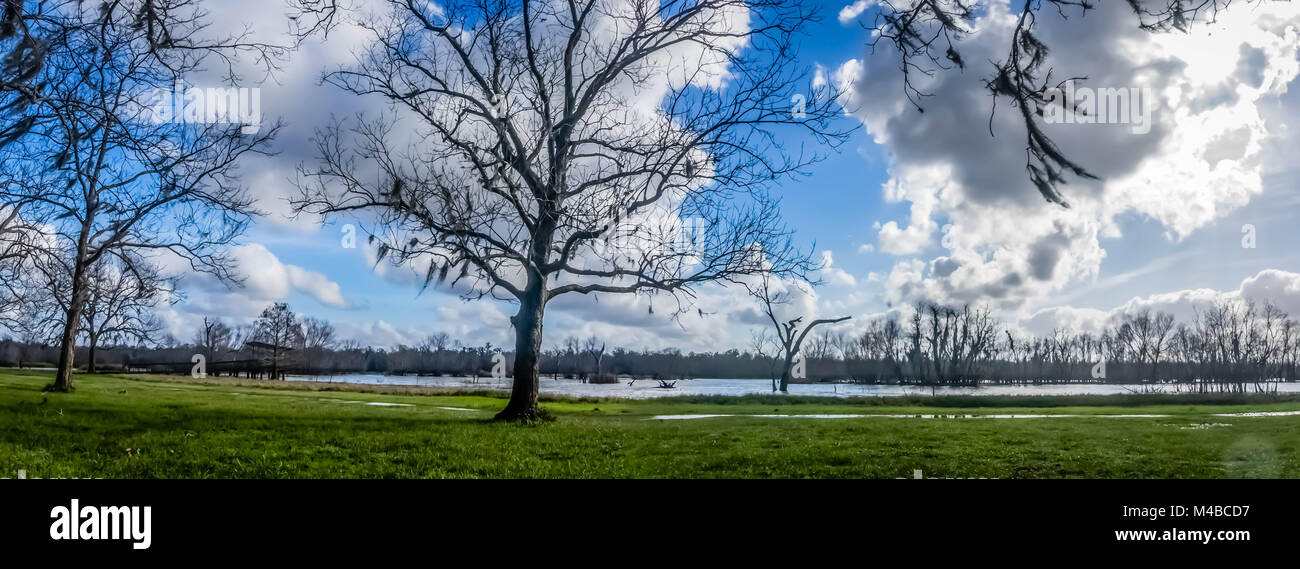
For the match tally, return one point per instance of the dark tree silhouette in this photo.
(214, 337)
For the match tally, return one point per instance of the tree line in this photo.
(1231, 344)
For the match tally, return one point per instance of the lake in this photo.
(646, 389)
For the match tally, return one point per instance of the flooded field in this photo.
(645, 389)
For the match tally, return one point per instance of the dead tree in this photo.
(790, 333)
(214, 337)
(595, 348)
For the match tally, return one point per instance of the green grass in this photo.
(147, 427)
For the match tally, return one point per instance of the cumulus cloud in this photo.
(264, 280)
(1202, 158)
(1278, 287)
(850, 13)
(834, 275)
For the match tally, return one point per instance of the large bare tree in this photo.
(95, 160)
(538, 149)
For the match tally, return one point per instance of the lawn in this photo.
(161, 427)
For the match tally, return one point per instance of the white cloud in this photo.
(1202, 159)
(264, 279)
(850, 13)
(834, 275)
(1281, 288)
(317, 285)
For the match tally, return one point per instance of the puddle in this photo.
(860, 416)
(1259, 414)
(684, 417)
(1201, 426)
(376, 403)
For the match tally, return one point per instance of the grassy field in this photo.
(134, 427)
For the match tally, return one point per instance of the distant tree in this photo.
(436, 342)
(595, 349)
(35, 294)
(214, 337)
(278, 327)
(318, 333)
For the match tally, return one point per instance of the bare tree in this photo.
(36, 292)
(318, 333)
(595, 349)
(790, 333)
(278, 328)
(562, 146)
(437, 342)
(120, 307)
(99, 165)
(214, 337)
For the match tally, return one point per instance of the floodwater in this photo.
(862, 416)
(647, 389)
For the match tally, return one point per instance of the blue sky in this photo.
(1162, 229)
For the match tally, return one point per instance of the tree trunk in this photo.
(67, 351)
(90, 355)
(528, 346)
(785, 374)
(72, 325)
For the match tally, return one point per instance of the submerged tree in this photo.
(114, 177)
(790, 332)
(560, 147)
